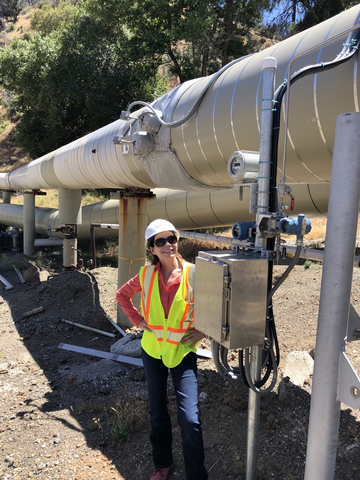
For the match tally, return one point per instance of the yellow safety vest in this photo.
(164, 340)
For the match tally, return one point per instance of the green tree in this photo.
(297, 15)
(197, 36)
(317, 11)
(10, 9)
(48, 18)
(72, 82)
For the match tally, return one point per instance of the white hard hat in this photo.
(158, 226)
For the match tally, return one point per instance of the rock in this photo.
(129, 346)
(286, 391)
(298, 367)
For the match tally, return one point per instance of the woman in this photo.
(168, 344)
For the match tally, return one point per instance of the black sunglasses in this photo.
(160, 242)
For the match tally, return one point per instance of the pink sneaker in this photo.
(162, 473)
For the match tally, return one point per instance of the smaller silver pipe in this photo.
(48, 242)
(315, 255)
(206, 237)
(112, 226)
(7, 284)
(86, 327)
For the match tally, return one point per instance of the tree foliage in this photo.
(197, 36)
(48, 18)
(297, 15)
(317, 11)
(71, 82)
(10, 9)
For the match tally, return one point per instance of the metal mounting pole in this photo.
(269, 71)
(334, 299)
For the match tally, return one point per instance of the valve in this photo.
(292, 203)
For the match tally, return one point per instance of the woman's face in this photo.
(168, 250)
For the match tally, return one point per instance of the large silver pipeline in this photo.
(194, 155)
(186, 210)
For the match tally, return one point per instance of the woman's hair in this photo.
(154, 259)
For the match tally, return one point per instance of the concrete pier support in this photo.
(7, 197)
(29, 223)
(133, 221)
(69, 217)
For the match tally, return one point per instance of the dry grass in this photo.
(22, 25)
(51, 199)
(318, 228)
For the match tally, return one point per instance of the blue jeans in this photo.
(185, 385)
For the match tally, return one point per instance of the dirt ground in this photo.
(59, 407)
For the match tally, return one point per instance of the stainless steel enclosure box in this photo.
(231, 297)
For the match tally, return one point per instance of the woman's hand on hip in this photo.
(192, 336)
(144, 326)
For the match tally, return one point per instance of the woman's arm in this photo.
(123, 298)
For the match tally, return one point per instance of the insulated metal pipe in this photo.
(334, 299)
(48, 242)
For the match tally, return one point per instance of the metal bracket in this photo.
(348, 391)
(132, 192)
(227, 294)
(253, 197)
(353, 330)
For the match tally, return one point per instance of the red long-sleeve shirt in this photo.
(130, 288)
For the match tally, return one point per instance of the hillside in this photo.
(11, 155)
